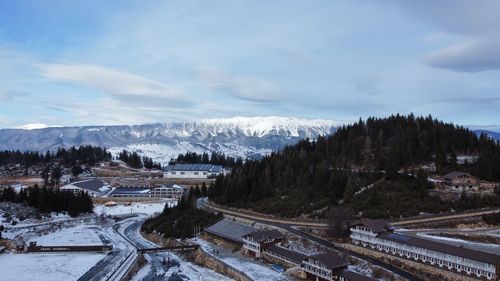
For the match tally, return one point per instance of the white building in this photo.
(174, 191)
(193, 171)
(378, 235)
(93, 187)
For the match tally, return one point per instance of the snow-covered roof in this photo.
(130, 190)
(194, 167)
(230, 230)
(93, 185)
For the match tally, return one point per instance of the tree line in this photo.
(316, 173)
(84, 155)
(179, 221)
(215, 158)
(47, 200)
(135, 161)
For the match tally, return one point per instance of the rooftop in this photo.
(331, 260)
(230, 230)
(194, 167)
(94, 185)
(376, 226)
(441, 247)
(262, 235)
(130, 190)
(291, 255)
(454, 175)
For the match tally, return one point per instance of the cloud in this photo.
(34, 126)
(470, 56)
(117, 84)
(8, 96)
(469, 100)
(477, 23)
(250, 88)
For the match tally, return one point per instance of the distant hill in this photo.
(491, 134)
(312, 175)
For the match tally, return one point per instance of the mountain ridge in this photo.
(244, 137)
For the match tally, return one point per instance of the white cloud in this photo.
(34, 126)
(115, 83)
(476, 22)
(249, 88)
(469, 56)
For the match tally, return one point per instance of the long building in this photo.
(93, 187)
(193, 171)
(266, 244)
(172, 191)
(380, 236)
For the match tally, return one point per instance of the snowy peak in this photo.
(273, 125)
(238, 136)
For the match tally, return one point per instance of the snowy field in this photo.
(134, 208)
(45, 267)
(256, 270)
(80, 235)
(52, 266)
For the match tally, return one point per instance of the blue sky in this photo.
(132, 62)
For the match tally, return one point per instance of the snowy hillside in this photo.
(238, 136)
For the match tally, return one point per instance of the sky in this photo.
(68, 63)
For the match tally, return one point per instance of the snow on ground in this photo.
(80, 235)
(43, 267)
(494, 233)
(28, 232)
(256, 270)
(142, 273)
(485, 247)
(134, 208)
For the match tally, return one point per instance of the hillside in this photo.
(245, 137)
(314, 174)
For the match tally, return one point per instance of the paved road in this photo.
(444, 217)
(105, 267)
(324, 242)
(160, 269)
(408, 221)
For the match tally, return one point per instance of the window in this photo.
(196, 173)
(183, 173)
(173, 173)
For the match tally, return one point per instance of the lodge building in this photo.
(93, 187)
(266, 244)
(255, 242)
(380, 236)
(194, 171)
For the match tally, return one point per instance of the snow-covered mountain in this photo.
(238, 136)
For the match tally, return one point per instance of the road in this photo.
(324, 242)
(408, 221)
(444, 217)
(122, 249)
